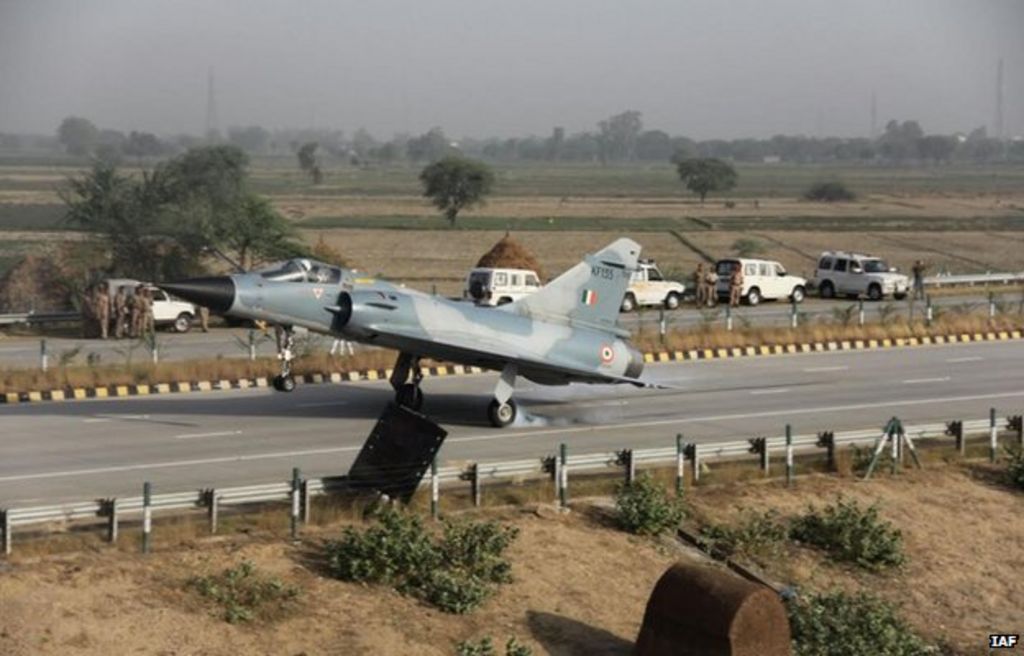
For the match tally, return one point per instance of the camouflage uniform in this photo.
(146, 316)
(135, 305)
(735, 286)
(102, 309)
(120, 312)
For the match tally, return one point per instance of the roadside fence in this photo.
(689, 460)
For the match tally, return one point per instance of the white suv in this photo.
(167, 310)
(648, 287)
(486, 286)
(854, 274)
(762, 280)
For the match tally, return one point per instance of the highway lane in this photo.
(23, 352)
(62, 451)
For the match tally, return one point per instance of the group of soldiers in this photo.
(706, 284)
(128, 313)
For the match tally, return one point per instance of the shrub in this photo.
(485, 647)
(829, 192)
(455, 573)
(244, 594)
(851, 533)
(747, 247)
(841, 624)
(644, 507)
(1015, 468)
(759, 534)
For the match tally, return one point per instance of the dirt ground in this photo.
(580, 586)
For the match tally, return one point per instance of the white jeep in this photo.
(648, 287)
(853, 274)
(167, 310)
(487, 286)
(762, 280)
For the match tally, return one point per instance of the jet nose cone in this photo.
(214, 292)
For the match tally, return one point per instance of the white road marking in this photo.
(321, 404)
(95, 420)
(761, 392)
(100, 419)
(918, 381)
(195, 436)
(815, 369)
(968, 359)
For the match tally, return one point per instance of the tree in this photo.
(143, 144)
(654, 146)
(308, 161)
(746, 247)
(252, 139)
(704, 175)
(430, 146)
(619, 134)
(78, 136)
(454, 183)
(936, 147)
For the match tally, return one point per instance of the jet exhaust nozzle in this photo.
(214, 292)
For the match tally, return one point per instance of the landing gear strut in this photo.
(284, 382)
(407, 394)
(503, 409)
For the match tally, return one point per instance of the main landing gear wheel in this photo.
(410, 396)
(502, 414)
(285, 383)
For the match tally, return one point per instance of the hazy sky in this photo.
(704, 68)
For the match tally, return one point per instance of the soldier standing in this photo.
(699, 286)
(918, 270)
(148, 322)
(711, 282)
(736, 286)
(88, 311)
(102, 309)
(204, 318)
(120, 312)
(135, 304)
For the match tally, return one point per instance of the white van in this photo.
(486, 286)
(762, 280)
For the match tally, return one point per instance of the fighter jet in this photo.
(564, 333)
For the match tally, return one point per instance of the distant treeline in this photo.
(619, 138)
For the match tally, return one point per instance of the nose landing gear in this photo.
(284, 382)
(407, 394)
(503, 409)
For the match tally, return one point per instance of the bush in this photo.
(747, 247)
(1015, 468)
(485, 647)
(829, 192)
(841, 624)
(851, 533)
(244, 594)
(759, 534)
(455, 573)
(644, 507)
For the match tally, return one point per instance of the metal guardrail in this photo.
(973, 279)
(39, 317)
(477, 473)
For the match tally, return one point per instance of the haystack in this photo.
(510, 254)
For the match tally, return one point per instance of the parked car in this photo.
(486, 286)
(762, 280)
(648, 287)
(168, 311)
(853, 274)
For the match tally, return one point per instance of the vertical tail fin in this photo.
(589, 293)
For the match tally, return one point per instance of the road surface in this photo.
(53, 452)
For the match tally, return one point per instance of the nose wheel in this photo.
(284, 382)
(502, 414)
(405, 380)
(409, 395)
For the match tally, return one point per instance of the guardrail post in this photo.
(728, 317)
(680, 468)
(956, 429)
(563, 475)
(860, 312)
(760, 447)
(212, 509)
(827, 441)
(44, 358)
(625, 459)
(928, 312)
(1016, 423)
(5, 529)
(111, 520)
(894, 438)
(147, 515)
(662, 327)
(435, 490)
(307, 501)
(296, 493)
(252, 344)
(474, 481)
(993, 436)
(991, 305)
(794, 319)
(694, 454)
(789, 455)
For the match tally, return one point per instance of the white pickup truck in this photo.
(648, 287)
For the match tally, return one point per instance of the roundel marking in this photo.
(607, 354)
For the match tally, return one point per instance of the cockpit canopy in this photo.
(302, 269)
